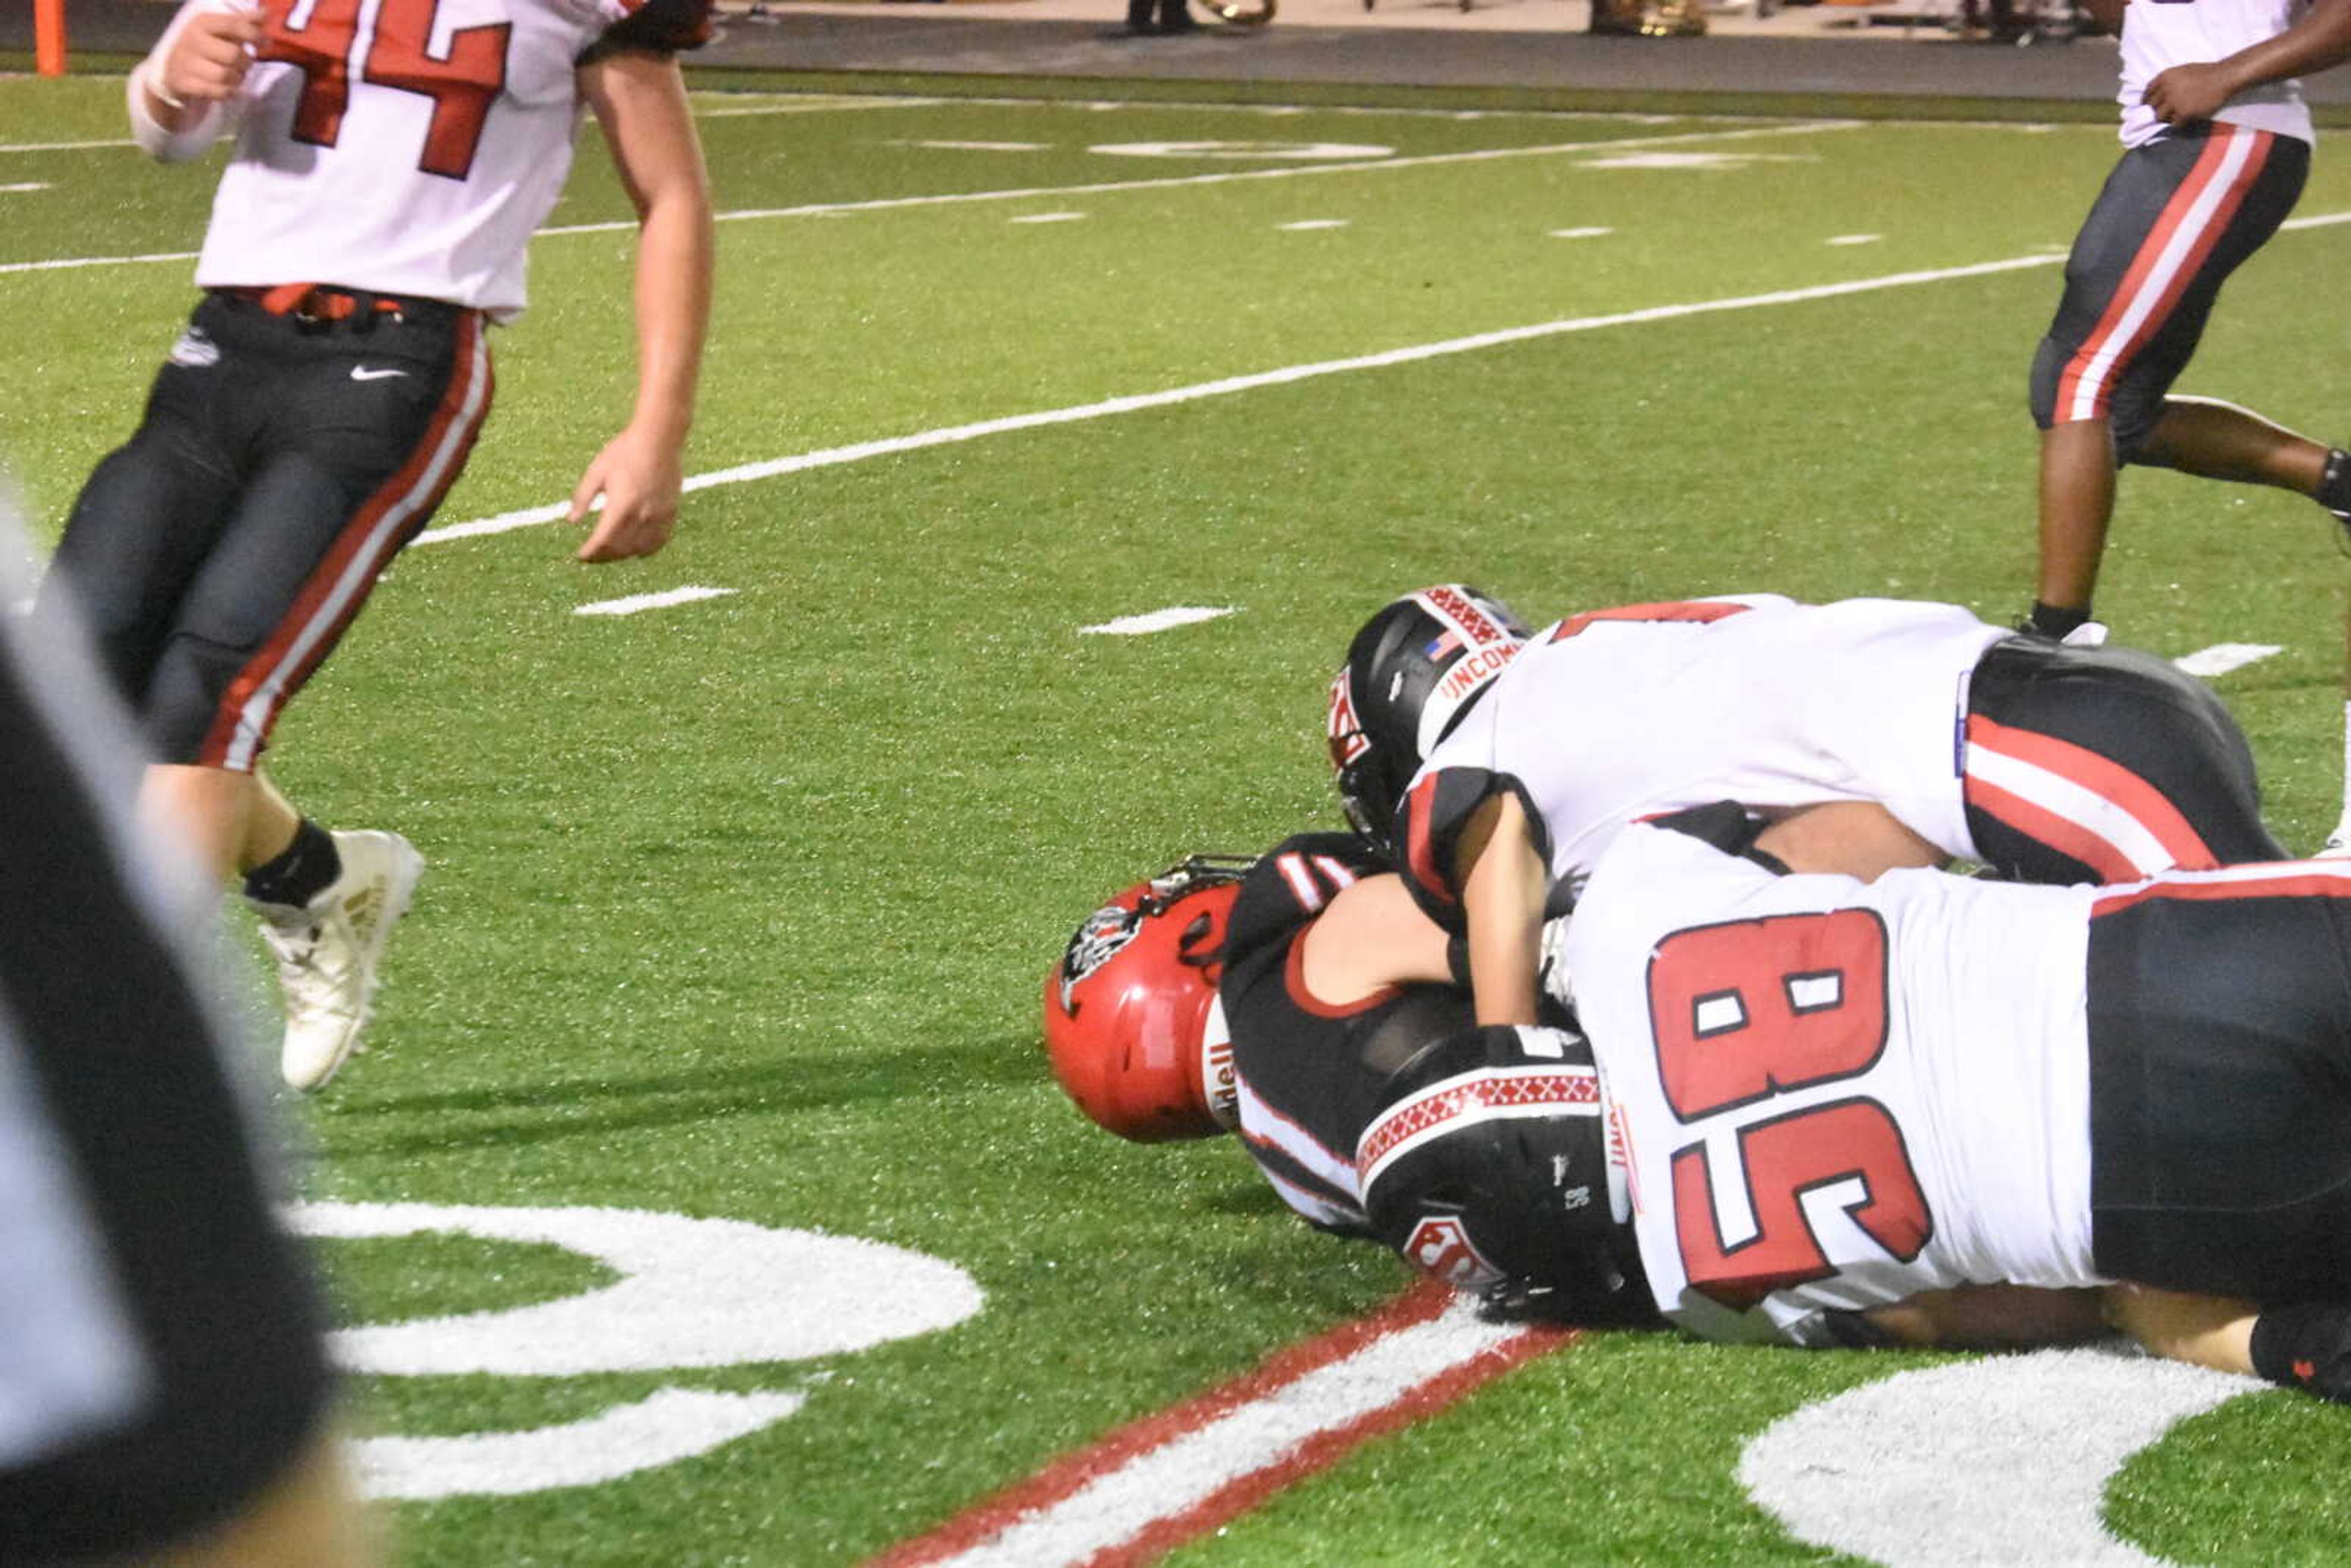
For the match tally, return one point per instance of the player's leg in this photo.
(2175, 219)
(143, 520)
(2105, 765)
(2077, 503)
(2220, 1039)
(359, 473)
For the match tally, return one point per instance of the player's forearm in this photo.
(675, 257)
(2203, 1330)
(2322, 39)
(1502, 891)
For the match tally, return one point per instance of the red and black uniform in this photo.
(2176, 216)
(1311, 1076)
(2048, 763)
(390, 164)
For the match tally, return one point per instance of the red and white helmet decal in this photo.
(1490, 646)
(1346, 731)
(1097, 942)
(1440, 1245)
(1489, 1094)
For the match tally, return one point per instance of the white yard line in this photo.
(1032, 192)
(1287, 375)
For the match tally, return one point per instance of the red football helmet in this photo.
(1131, 1022)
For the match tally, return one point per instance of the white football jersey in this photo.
(1623, 713)
(403, 146)
(2161, 34)
(1832, 1096)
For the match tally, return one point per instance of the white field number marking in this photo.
(2001, 1460)
(690, 1293)
(1157, 621)
(637, 603)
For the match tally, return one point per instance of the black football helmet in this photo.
(1411, 672)
(1490, 1168)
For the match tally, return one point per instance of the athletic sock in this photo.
(2050, 621)
(303, 870)
(2334, 491)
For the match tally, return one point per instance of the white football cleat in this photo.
(2088, 634)
(328, 951)
(2339, 843)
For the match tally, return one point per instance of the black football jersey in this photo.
(1313, 1076)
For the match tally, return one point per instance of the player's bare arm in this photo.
(639, 99)
(2185, 94)
(2203, 1330)
(1858, 839)
(1503, 881)
(1372, 937)
(1990, 1317)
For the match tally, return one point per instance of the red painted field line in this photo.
(1066, 1476)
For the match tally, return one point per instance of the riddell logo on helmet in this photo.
(1440, 1245)
(1458, 607)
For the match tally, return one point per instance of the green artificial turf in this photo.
(739, 909)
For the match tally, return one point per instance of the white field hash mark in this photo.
(1157, 621)
(637, 603)
(2223, 657)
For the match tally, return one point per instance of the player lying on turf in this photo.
(1926, 1110)
(1496, 764)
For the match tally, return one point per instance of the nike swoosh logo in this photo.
(361, 373)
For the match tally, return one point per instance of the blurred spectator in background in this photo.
(1174, 16)
(1648, 18)
(165, 1391)
(2216, 147)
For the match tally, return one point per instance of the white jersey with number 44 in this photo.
(1833, 1095)
(406, 147)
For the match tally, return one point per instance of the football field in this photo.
(704, 1198)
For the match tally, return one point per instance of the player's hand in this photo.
(2185, 94)
(639, 479)
(209, 58)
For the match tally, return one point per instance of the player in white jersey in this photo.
(1497, 765)
(2217, 144)
(391, 161)
(1851, 1111)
